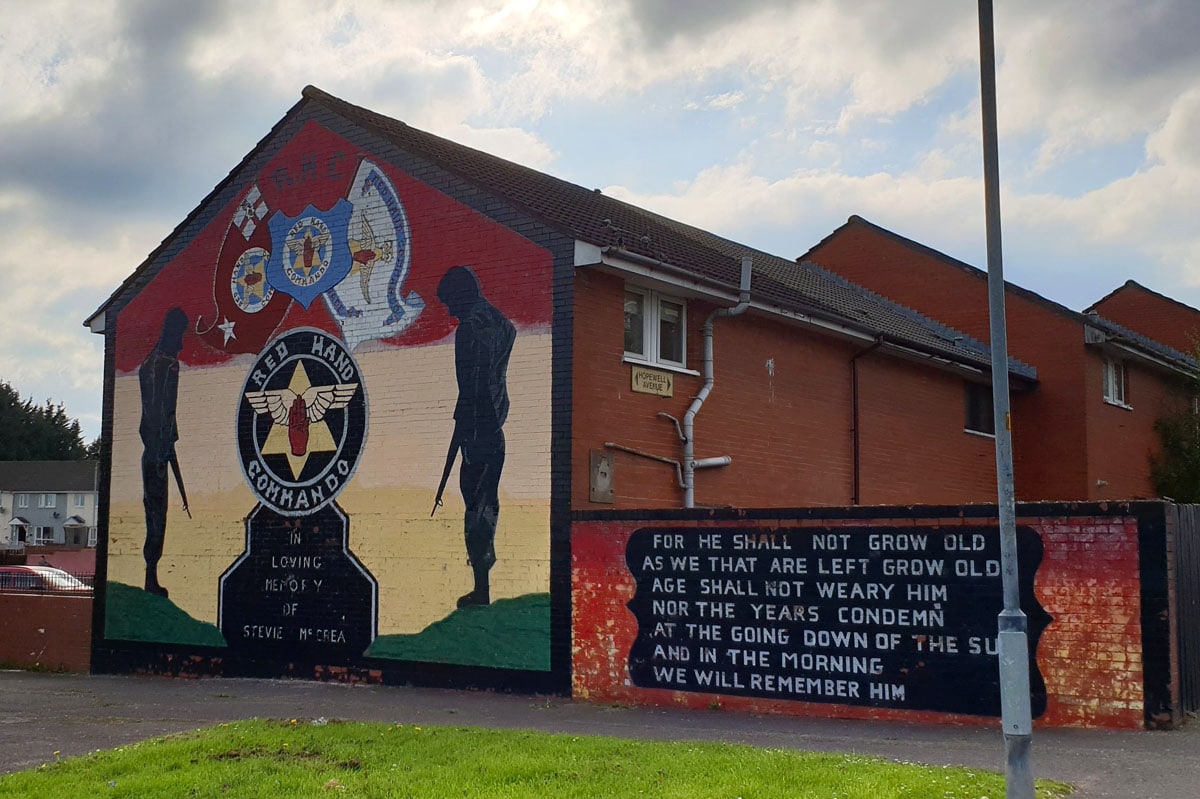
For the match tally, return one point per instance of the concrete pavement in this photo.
(75, 714)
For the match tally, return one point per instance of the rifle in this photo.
(451, 455)
(179, 482)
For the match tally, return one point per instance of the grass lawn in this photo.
(303, 758)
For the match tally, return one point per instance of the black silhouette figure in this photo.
(482, 347)
(158, 377)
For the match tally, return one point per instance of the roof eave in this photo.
(588, 254)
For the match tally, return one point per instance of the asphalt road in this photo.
(41, 714)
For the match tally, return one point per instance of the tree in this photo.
(1175, 468)
(30, 432)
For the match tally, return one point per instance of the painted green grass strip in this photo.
(131, 614)
(508, 634)
(299, 759)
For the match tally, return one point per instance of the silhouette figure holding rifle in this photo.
(482, 347)
(158, 378)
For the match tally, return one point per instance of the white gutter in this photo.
(669, 275)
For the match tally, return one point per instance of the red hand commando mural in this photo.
(322, 337)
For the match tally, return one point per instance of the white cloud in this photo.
(513, 144)
(717, 102)
(49, 53)
(796, 211)
(120, 115)
(1079, 74)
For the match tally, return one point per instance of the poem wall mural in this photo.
(337, 352)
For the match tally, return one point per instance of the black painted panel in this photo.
(876, 616)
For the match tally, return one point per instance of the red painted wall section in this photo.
(781, 408)
(1089, 655)
(46, 632)
(1161, 318)
(316, 167)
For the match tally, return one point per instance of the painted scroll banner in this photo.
(874, 616)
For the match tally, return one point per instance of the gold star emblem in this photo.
(253, 279)
(306, 251)
(320, 438)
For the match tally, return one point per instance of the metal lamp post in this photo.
(1013, 643)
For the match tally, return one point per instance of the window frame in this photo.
(22, 500)
(47, 501)
(43, 535)
(1115, 376)
(652, 301)
(80, 500)
(982, 393)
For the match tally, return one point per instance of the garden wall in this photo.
(881, 612)
(50, 632)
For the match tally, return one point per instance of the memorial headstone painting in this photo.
(317, 382)
(883, 617)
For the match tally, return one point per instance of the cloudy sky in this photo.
(767, 121)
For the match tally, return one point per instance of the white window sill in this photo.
(1116, 404)
(666, 367)
(979, 433)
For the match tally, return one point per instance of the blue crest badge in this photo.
(310, 253)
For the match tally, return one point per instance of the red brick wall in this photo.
(1090, 655)
(1162, 319)
(781, 407)
(1121, 440)
(913, 444)
(46, 632)
(1056, 450)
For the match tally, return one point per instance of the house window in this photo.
(46, 500)
(22, 500)
(655, 328)
(1114, 382)
(980, 410)
(43, 536)
(80, 500)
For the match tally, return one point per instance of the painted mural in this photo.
(295, 391)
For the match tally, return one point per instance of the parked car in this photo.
(46, 579)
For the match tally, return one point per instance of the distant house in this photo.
(48, 503)
(1154, 315)
(1087, 431)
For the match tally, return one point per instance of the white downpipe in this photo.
(690, 463)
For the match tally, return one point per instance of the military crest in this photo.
(246, 308)
(301, 421)
(310, 253)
